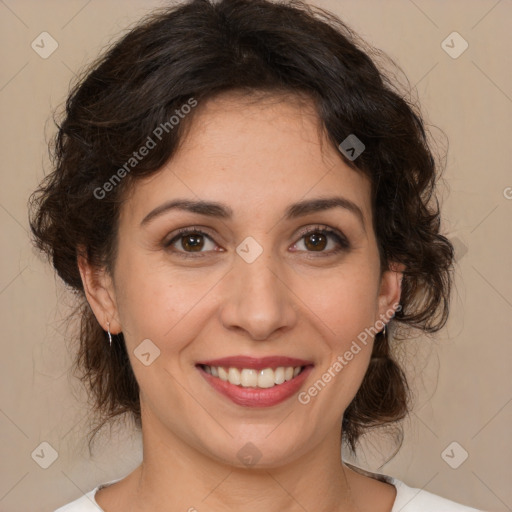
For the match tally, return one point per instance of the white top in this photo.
(408, 499)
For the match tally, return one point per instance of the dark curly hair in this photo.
(201, 48)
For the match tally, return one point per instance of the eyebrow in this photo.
(219, 210)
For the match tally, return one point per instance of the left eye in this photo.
(321, 240)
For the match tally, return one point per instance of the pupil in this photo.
(192, 242)
(316, 241)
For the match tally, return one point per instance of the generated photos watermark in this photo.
(145, 149)
(342, 360)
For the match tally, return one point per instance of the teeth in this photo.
(234, 376)
(279, 375)
(250, 378)
(266, 378)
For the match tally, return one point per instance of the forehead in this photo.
(262, 151)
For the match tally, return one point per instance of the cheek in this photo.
(166, 308)
(344, 309)
(156, 302)
(345, 302)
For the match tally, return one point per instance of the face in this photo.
(254, 241)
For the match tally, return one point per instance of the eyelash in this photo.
(341, 240)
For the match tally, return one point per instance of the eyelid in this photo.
(175, 236)
(336, 233)
(188, 229)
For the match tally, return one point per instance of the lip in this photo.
(257, 397)
(255, 363)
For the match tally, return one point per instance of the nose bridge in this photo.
(258, 301)
(258, 280)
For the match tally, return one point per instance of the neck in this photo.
(176, 476)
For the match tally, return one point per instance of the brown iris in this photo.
(315, 241)
(192, 242)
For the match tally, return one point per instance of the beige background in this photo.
(462, 381)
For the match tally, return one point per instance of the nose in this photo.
(258, 300)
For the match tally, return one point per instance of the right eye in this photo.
(191, 240)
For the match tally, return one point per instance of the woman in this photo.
(247, 207)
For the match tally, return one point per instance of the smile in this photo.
(248, 377)
(252, 382)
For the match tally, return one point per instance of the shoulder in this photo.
(85, 503)
(411, 499)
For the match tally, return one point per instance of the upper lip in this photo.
(256, 363)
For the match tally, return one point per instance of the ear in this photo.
(390, 291)
(100, 294)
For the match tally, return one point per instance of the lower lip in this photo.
(257, 397)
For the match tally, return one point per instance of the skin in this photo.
(257, 158)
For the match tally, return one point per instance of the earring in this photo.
(109, 335)
(383, 332)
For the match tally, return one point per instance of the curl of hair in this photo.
(199, 49)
